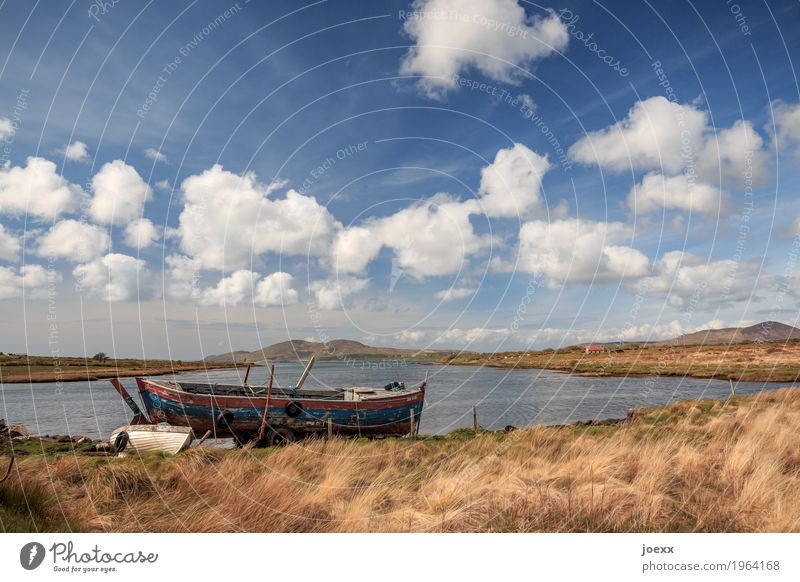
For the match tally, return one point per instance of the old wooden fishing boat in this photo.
(277, 415)
(143, 438)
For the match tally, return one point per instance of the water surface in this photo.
(503, 397)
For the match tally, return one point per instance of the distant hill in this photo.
(295, 350)
(767, 331)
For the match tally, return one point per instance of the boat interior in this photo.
(356, 393)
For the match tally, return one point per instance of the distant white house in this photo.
(594, 349)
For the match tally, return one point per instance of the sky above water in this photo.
(180, 179)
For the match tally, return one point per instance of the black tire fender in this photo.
(225, 418)
(281, 436)
(121, 441)
(293, 409)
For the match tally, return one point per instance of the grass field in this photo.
(16, 369)
(767, 361)
(709, 466)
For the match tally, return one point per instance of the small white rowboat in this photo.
(142, 438)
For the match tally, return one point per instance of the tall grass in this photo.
(694, 466)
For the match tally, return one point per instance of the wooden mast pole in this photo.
(263, 429)
(247, 373)
(305, 373)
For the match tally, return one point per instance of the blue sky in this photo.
(187, 178)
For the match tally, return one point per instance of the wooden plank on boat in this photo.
(306, 372)
(138, 415)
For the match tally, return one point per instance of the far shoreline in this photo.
(777, 362)
(90, 375)
(745, 377)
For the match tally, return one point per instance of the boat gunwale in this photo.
(407, 396)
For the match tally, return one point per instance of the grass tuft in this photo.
(694, 466)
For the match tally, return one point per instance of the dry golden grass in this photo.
(694, 466)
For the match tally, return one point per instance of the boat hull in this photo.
(149, 438)
(389, 415)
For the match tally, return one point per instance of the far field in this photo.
(24, 369)
(766, 361)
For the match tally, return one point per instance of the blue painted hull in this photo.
(387, 415)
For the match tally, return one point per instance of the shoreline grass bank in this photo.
(713, 466)
(746, 362)
(38, 369)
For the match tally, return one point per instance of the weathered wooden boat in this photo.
(238, 410)
(143, 438)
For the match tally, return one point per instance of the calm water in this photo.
(503, 397)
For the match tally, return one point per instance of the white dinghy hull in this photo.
(143, 438)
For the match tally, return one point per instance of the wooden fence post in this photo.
(262, 432)
(474, 418)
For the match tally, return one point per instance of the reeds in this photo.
(709, 466)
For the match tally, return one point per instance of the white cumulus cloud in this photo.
(579, 251)
(246, 286)
(355, 247)
(787, 127)
(657, 192)
(182, 278)
(77, 151)
(276, 289)
(232, 290)
(648, 138)
(331, 294)
(114, 277)
(511, 185)
(140, 233)
(37, 189)
(430, 238)
(410, 337)
(455, 293)
(686, 279)
(6, 128)
(458, 337)
(734, 155)
(30, 278)
(9, 245)
(495, 37)
(228, 220)
(155, 155)
(435, 236)
(73, 240)
(119, 194)
(676, 138)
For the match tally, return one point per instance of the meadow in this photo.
(708, 466)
